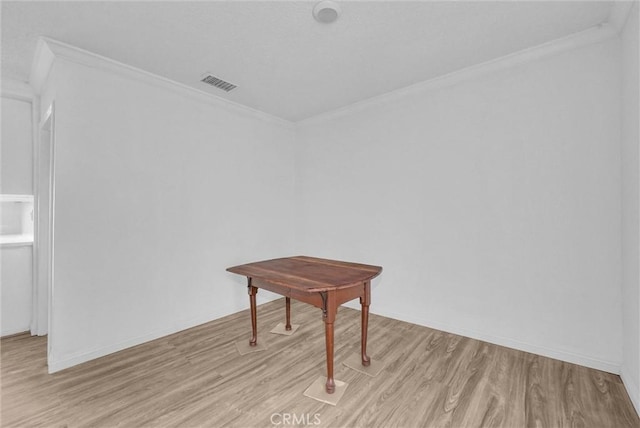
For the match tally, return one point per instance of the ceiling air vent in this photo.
(218, 83)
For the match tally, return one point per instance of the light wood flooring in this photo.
(197, 378)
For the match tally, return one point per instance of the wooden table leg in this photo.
(288, 305)
(364, 302)
(254, 319)
(329, 315)
(330, 386)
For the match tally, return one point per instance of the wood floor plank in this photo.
(197, 378)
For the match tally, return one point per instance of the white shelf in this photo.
(15, 240)
(16, 198)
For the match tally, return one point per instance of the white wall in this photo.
(16, 178)
(630, 205)
(157, 192)
(493, 204)
(17, 147)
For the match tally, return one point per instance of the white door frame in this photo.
(44, 225)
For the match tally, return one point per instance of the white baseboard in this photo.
(56, 365)
(14, 331)
(265, 296)
(633, 389)
(558, 354)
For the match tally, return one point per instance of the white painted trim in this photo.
(35, 140)
(41, 66)
(22, 241)
(632, 387)
(17, 90)
(51, 115)
(41, 318)
(35, 255)
(584, 38)
(570, 357)
(46, 116)
(56, 365)
(7, 197)
(14, 332)
(49, 50)
(619, 14)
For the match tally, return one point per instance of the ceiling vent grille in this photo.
(218, 83)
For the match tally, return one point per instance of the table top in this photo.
(308, 274)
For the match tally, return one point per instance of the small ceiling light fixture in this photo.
(326, 11)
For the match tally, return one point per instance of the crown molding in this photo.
(620, 13)
(17, 90)
(49, 50)
(587, 37)
(41, 65)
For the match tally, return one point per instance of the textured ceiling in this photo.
(283, 61)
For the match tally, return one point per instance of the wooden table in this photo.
(325, 284)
